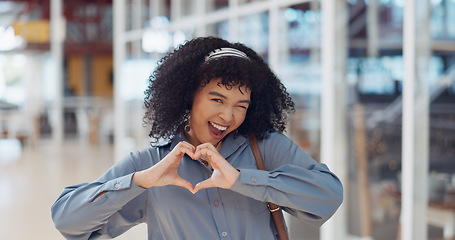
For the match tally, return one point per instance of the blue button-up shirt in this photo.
(303, 187)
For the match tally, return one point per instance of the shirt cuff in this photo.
(249, 178)
(122, 190)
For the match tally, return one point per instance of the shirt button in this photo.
(117, 186)
(215, 203)
(253, 179)
(224, 234)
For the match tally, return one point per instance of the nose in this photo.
(227, 114)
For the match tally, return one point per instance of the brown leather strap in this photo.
(256, 152)
(274, 209)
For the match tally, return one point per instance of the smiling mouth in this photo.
(217, 129)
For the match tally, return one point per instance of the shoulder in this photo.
(280, 149)
(153, 152)
(276, 138)
(276, 143)
(147, 157)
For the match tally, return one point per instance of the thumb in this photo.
(203, 185)
(183, 183)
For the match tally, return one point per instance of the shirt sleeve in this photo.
(80, 212)
(304, 188)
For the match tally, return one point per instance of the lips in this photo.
(216, 129)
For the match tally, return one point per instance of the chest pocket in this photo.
(250, 204)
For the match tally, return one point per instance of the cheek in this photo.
(240, 117)
(200, 109)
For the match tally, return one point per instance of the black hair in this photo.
(180, 73)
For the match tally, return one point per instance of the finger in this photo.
(205, 152)
(188, 151)
(187, 144)
(206, 146)
(203, 185)
(185, 147)
(183, 183)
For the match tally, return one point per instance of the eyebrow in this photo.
(222, 96)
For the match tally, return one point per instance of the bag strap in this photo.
(274, 209)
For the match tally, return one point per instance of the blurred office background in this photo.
(373, 83)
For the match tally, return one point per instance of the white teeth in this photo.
(221, 128)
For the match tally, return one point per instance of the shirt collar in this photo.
(231, 144)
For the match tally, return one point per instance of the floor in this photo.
(32, 179)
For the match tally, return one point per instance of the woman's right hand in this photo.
(165, 172)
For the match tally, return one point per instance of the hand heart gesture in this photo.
(223, 175)
(165, 172)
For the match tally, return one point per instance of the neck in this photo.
(219, 144)
(196, 143)
(190, 138)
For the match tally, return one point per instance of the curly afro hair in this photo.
(179, 75)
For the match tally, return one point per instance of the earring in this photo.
(187, 127)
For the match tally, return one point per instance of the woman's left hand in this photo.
(223, 175)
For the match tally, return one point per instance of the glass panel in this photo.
(374, 78)
(136, 73)
(137, 14)
(141, 58)
(145, 13)
(374, 74)
(12, 73)
(179, 36)
(450, 18)
(299, 68)
(155, 38)
(219, 29)
(441, 81)
(134, 50)
(26, 88)
(213, 5)
(442, 19)
(249, 1)
(189, 7)
(129, 13)
(158, 8)
(254, 32)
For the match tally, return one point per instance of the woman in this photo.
(200, 180)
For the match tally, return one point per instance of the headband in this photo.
(226, 52)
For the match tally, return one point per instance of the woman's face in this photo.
(217, 111)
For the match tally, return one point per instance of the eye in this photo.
(217, 100)
(243, 107)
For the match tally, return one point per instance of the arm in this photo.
(81, 211)
(117, 200)
(305, 188)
